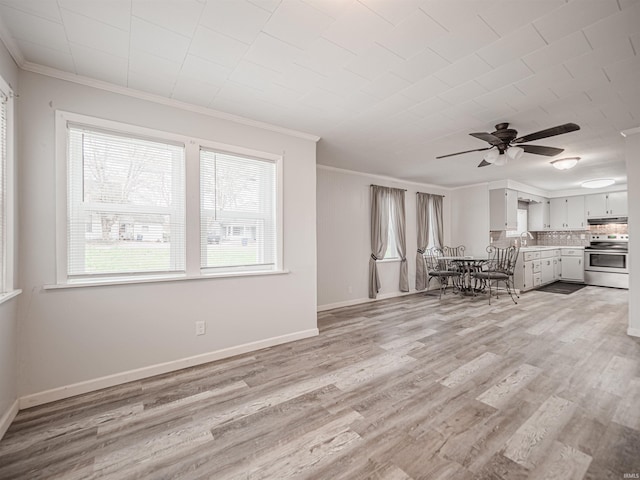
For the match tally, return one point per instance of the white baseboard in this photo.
(634, 332)
(357, 301)
(7, 418)
(79, 388)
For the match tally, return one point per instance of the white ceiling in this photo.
(387, 84)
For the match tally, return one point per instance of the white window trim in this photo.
(192, 202)
(9, 200)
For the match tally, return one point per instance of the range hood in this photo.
(607, 220)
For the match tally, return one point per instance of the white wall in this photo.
(344, 238)
(470, 218)
(74, 335)
(8, 310)
(633, 178)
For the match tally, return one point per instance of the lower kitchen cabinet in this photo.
(547, 270)
(573, 265)
(537, 268)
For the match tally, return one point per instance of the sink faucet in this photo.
(523, 241)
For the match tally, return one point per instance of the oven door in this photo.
(606, 261)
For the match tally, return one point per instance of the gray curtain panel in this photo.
(379, 234)
(437, 219)
(422, 226)
(400, 224)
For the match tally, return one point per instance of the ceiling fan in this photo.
(504, 143)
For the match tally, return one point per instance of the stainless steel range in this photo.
(606, 261)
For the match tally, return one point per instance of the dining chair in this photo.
(439, 268)
(500, 267)
(454, 251)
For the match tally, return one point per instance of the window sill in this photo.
(9, 295)
(165, 278)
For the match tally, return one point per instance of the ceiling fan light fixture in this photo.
(565, 163)
(515, 153)
(491, 156)
(501, 160)
(598, 183)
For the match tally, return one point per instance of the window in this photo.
(392, 248)
(6, 188)
(123, 213)
(238, 212)
(433, 226)
(126, 204)
(522, 225)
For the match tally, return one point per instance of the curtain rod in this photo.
(403, 189)
(431, 194)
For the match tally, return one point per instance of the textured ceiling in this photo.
(387, 84)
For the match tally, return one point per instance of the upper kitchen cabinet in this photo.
(539, 216)
(606, 205)
(568, 213)
(503, 209)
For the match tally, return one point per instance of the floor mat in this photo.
(564, 288)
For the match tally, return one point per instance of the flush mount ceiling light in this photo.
(565, 163)
(598, 183)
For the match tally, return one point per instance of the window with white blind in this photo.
(238, 227)
(124, 216)
(6, 192)
(125, 204)
(3, 167)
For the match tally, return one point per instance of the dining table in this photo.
(467, 284)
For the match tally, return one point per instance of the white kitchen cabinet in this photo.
(568, 213)
(557, 266)
(503, 209)
(572, 265)
(610, 204)
(547, 270)
(539, 216)
(576, 219)
(617, 204)
(536, 268)
(596, 205)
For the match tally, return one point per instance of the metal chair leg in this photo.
(489, 282)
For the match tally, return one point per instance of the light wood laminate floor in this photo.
(407, 388)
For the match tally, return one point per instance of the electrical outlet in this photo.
(201, 328)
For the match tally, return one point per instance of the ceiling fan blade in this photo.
(487, 137)
(467, 151)
(549, 132)
(540, 150)
(483, 163)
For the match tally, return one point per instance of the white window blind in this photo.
(3, 189)
(126, 204)
(238, 212)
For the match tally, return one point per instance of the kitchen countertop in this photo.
(539, 248)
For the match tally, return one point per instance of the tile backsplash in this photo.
(574, 238)
(617, 228)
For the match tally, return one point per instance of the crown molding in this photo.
(381, 177)
(471, 185)
(171, 102)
